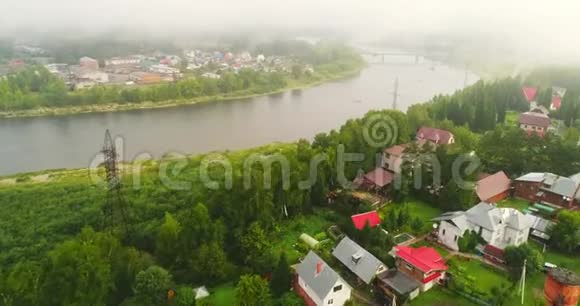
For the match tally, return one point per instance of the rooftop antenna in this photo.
(115, 208)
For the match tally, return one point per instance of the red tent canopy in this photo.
(371, 217)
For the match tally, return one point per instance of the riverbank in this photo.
(118, 107)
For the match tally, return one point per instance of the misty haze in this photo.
(255, 152)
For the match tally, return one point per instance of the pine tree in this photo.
(282, 277)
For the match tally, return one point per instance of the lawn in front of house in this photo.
(288, 233)
(486, 276)
(224, 295)
(438, 296)
(417, 208)
(514, 203)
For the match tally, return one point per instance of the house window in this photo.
(337, 288)
(330, 301)
(409, 267)
(455, 239)
(444, 232)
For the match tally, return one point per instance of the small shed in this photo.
(311, 242)
(201, 292)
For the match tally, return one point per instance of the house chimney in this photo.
(319, 267)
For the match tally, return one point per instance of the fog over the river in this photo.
(546, 30)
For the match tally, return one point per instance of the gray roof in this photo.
(532, 177)
(482, 215)
(322, 283)
(400, 282)
(457, 218)
(365, 267)
(487, 216)
(576, 178)
(539, 224)
(563, 186)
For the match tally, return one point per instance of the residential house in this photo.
(371, 218)
(533, 122)
(376, 180)
(358, 260)
(499, 227)
(393, 157)
(397, 285)
(89, 63)
(493, 188)
(146, 78)
(540, 228)
(119, 61)
(435, 136)
(164, 69)
(318, 284)
(89, 74)
(423, 264)
(549, 188)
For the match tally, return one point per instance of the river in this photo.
(32, 144)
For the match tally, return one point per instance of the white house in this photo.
(319, 284)
(499, 227)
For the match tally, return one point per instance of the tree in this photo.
(565, 234)
(253, 290)
(257, 249)
(282, 277)
(184, 297)
(210, 263)
(167, 246)
(515, 257)
(79, 270)
(152, 285)
(290, 299)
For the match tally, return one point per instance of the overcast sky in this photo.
(548, 27)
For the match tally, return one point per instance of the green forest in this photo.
(35, 87)
(57, 251)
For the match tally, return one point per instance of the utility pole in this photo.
(523, 281)
(395, 93)
(115, 205)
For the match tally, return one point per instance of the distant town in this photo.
(147, 69)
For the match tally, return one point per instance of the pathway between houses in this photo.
(362, 298)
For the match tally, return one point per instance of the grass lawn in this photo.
(419, 209)
(290, 231)
(567, 261)
(486, 277)
(222, 296)
(439, 297)
(443, 252)
(511, 118)
(514, 203)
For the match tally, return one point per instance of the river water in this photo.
(31, 144)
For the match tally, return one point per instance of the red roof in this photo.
(423, 258)
(492, 185)
(361, 220)
(530, 93)
(556, 102)
(435, 135)
(535, 119)
(379, 177)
